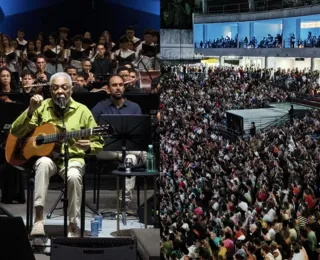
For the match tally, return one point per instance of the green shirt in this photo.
(313, 239)
(77, 117)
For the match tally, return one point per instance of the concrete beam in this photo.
(243, 17)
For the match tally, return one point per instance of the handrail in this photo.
(259, 6)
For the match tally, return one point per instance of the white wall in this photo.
(302, 64)
(283, 63)
(316, 64)
(271, 62)
(290, 63)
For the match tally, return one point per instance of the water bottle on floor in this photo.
(150, 159)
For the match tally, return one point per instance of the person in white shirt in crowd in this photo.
(146, 60)
(123, 54)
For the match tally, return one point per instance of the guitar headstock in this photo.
(103, 130)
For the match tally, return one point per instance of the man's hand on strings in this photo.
(83, 144)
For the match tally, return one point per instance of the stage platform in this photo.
(287, 105)
(54, 225)
(263, 117)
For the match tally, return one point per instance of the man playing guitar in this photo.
(76, 117)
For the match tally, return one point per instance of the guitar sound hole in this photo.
(40, 140)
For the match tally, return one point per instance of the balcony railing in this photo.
(259, 6)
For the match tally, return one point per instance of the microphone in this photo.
(61, 102)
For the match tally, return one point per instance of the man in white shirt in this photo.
(297, 252)
(270, 236)
(22, 43)
(147, 61)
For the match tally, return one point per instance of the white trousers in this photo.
(45, 168)
(134, 156)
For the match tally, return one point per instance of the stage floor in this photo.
(54, 225)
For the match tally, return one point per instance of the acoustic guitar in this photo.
(45, 140)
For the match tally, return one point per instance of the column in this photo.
(251, 5)
(238, 45)
(204, 30)
(298, 24)
(313, 64)
(220, 61)
(283, 36)
(251, 31)
(266, 62)
(204, 6)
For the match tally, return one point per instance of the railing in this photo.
(299, 44)
(278, 122)
(259, 6)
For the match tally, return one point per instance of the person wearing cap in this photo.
(275, 251)
(266, 253)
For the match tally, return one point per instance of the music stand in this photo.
(131, 133)
(4, 212)
(100, 80)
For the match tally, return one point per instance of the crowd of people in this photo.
(227, 42)
(269, 41)
(247, 199)
(85, 59)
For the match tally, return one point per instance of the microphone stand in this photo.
(57, 58)
(145, 67)
(66, 162)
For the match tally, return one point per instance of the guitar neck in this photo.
(68, 135)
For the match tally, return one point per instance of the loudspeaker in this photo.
(93, 248)
(150, 213)
(15, 242)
